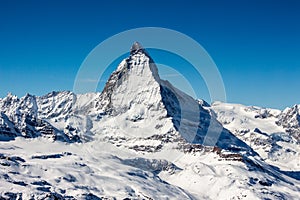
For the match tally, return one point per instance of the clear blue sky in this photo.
(255, 44)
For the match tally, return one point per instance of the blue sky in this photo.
(255, 44)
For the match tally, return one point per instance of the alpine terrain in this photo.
(142, 138)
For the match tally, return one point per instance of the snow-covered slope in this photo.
(142, 138)
(40, 169)
(273, 134)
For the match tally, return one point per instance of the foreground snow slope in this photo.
(39, 168)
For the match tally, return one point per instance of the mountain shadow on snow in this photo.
(196, 124)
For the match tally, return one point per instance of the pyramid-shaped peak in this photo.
(136, 47)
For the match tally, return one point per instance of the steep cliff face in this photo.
(290, 120)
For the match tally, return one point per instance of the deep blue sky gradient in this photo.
(255, 44)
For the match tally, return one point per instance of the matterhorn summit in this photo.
(138, 103)
(136, 81)
(136, 47)
(142, 138)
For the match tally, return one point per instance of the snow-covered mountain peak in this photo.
(134, 80)
(136, 47)
(294, 111)
(142, 138)
(290, 120)
(290, 117)
(136, 103)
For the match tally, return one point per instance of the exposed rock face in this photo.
(290, 120)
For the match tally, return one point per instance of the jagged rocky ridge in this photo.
(290, 120)
(25, 117)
